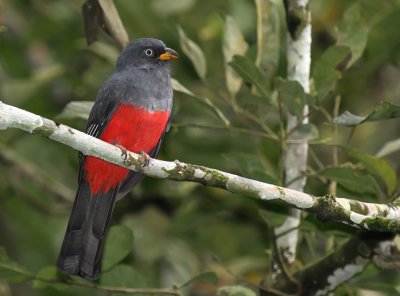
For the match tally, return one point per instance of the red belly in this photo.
(132, 127)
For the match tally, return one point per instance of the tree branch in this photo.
(370, 216)
(325, 275)
(298, 19)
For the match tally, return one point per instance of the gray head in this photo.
(145, 53)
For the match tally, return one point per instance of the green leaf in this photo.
(194, 53)
(172, 7)
(48, 276)
(104, 50)
(305, 132)
(329, 67)
(382, 111)
(177, 86)
(292, 94)
(348, 119)
(11, 271)
(389, 148)
(209, 277)
(112, 24)
(352, 32)
(179, 262)
(272, 218)
(268, 36)
(250, 73)
(352, 179)
(76, 109)
(123, 276)
(377, 167)
(118, 245)
(234, 44)
(235, 291)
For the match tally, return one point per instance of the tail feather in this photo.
(68, 260)
(83, 243)
(94, 234)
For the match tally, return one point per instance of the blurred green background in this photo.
(179, 229)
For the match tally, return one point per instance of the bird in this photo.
(132, 110)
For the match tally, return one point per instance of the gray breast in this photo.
(147, 88)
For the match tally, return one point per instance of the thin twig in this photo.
(282, 143)
(282, 263)
(314, 156)
(166, 291)
(34, 277)
(333, 184)
(228, 128)
(240, 111)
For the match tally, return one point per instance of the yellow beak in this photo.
(169, 54)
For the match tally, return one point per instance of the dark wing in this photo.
(133, 178)
(100, 115)
(97, 122)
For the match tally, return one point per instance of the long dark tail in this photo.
(83, 244)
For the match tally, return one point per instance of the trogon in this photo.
(132, 110)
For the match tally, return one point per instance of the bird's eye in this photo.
(148, 52)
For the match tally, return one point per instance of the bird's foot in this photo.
(144, 159)
(124, 152)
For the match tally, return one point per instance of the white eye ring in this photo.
(148, 52)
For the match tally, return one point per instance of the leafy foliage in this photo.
(375, 166)
(194, 53)
(352, 179)
(384, 110)
(353, 32)
(328, 70)
(234, 44)
(291, 93)
(268, 36)
(118, 246)
(123, 276)
(228, 114)
(250, 73)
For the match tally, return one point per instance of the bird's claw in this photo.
(124, 152)
(144, 159)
